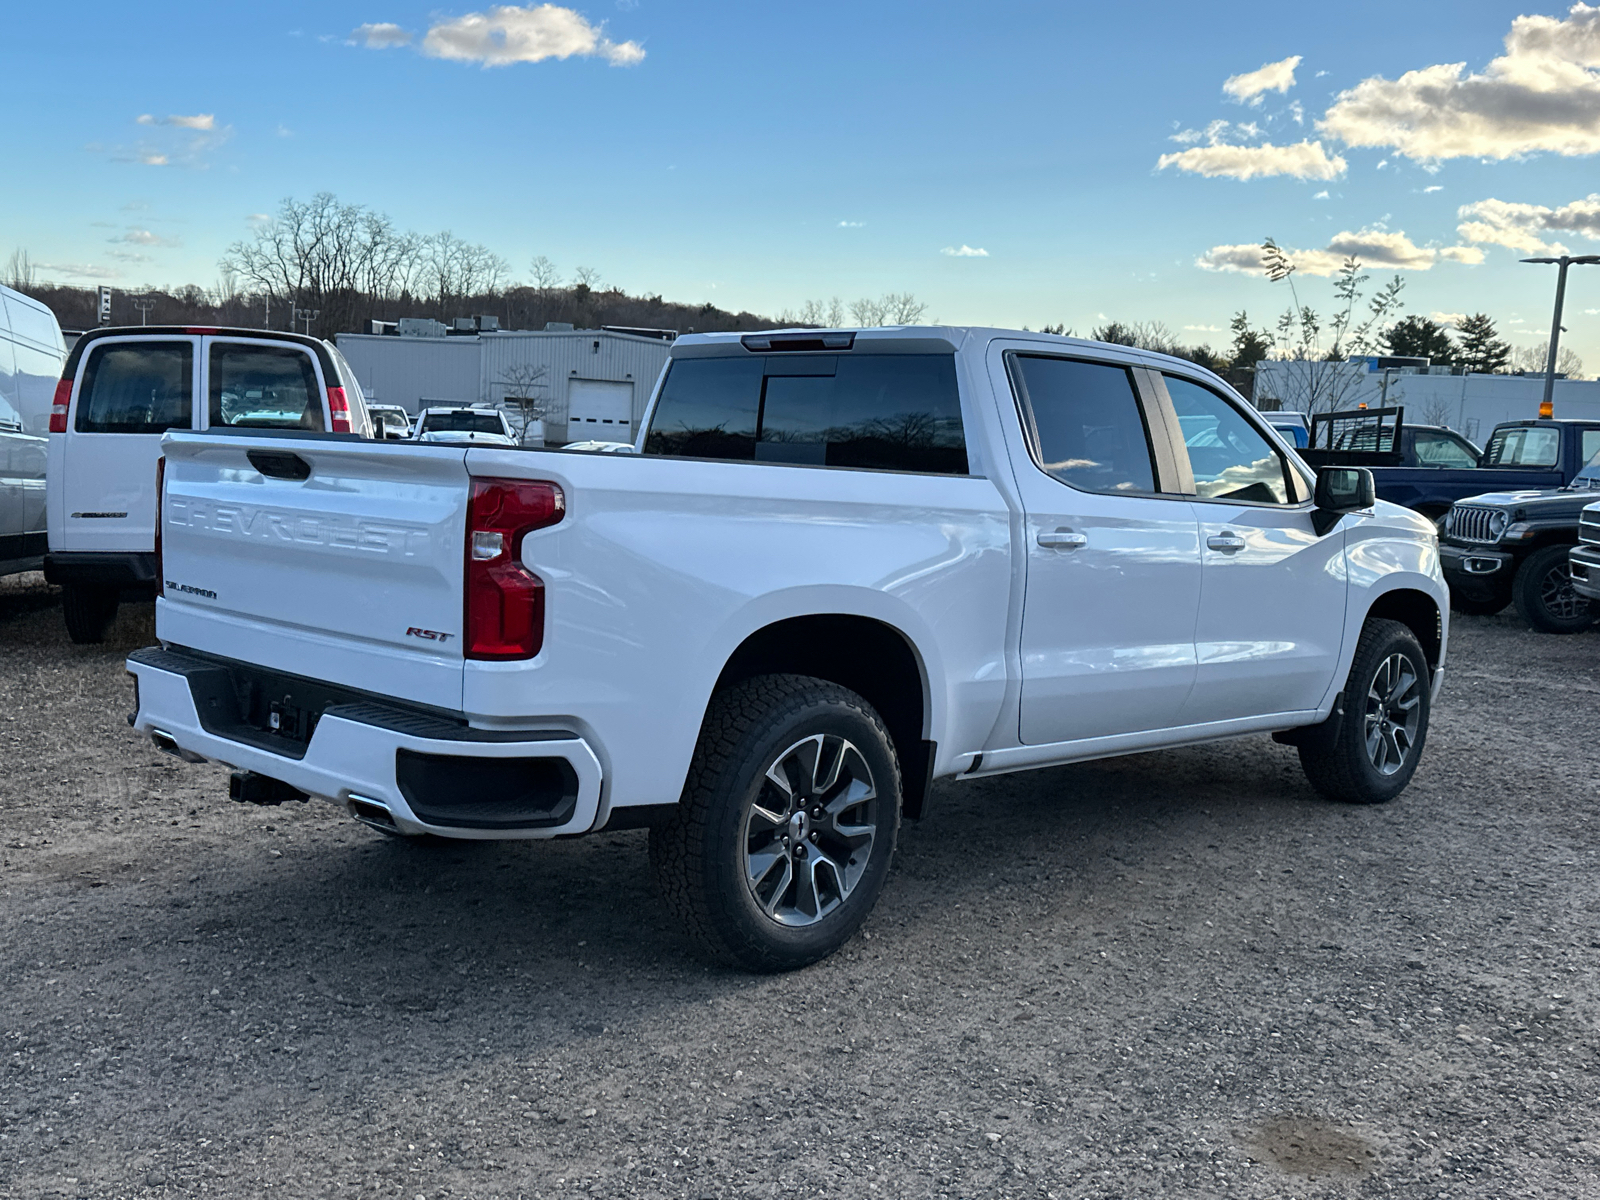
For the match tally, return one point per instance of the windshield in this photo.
(1523, 446)
(462, 422)
(1588, 479)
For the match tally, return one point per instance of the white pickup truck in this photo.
(842, 565)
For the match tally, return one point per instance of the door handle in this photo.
(1228, 542)
(1063, 539)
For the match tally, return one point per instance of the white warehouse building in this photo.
(590, 383)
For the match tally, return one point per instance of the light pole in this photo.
(307, 315)
(144, 304)
(1547, 406)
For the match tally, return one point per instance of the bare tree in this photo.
(455, 269)
(20, 272)
(525, 386)
(589, 277)
(868, 313)
(544, 274)
(1533, 359)
(1437, 411)
(902, 308)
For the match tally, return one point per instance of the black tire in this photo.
(1468, 606)
(1543, 593)
(89, 612)
(706, 854)
(1337, 756)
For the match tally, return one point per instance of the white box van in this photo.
(121, 389)
(31, 354)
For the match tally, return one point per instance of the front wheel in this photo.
(1544, 595)
(788, 820)
(1368, 754)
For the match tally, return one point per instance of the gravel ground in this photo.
(1177, 974)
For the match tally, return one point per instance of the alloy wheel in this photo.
(810, 832)
(1558, 597)
(1394, 713)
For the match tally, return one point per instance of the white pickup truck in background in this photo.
(842, 565)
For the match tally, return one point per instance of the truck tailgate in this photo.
(337, 560)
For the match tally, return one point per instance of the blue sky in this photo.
(759, 156)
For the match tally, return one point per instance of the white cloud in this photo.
(508, 34)
(1543, 93)
(380, 35)
(152, 159)
(1204, 329)
(1302, 160)
(1524, 226)
(202, 121)
(257, 218)
(852, 224)
(1322, 195)
(1297, 112)
(79, 271)
(143, 237)
(1435, 187)
(964, 251)
(1447, 318)
(1373, 247)
(1271, 77)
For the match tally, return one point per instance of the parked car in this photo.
(1431, 473)
(120, 391)
(1584, 560)
(390, 421)
(844, 564)
(465, 427)
(1514, 548)
(31, 354)
(1294, 426)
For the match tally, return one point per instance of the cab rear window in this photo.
(264, 387)
(889, 412)
(1523, 446)
(137, 388)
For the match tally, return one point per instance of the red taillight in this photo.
(161, 479)
(59, 406)
(505, 601)
(338, 410)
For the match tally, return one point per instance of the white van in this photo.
(121, 390)
(31, 354)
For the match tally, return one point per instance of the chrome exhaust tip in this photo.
(372, 812)
(168, 744)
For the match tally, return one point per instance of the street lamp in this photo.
(307, 315)
(1547, 406)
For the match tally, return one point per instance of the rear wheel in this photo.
(782, 840)
(1544, 595)
(89, 612)
(1368, 755)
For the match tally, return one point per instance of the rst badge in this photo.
(429, 635)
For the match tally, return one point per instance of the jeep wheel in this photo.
(89, 612)
(788, 820)
(1544, 595)
(1368, 755)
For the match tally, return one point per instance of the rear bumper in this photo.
(1477, 574)
(124, 570)
(385, 764)
(1585, 562)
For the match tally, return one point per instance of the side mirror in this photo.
(1341, 490)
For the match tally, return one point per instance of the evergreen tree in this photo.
(1250, 346)
(1418, 337)
(1481, 351)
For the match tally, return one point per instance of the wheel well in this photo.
(1416, 611)
(868, 657)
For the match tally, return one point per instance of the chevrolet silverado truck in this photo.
(1513, 548)
(842, 564)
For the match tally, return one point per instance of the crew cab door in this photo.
(1272, 592)
(130, 391)
(1113, 568)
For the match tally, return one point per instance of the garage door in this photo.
(600, 410)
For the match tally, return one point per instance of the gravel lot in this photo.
(1175, 975)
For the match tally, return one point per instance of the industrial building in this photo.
(1472, 405)
(588, 383)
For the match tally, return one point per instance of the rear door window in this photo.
(140, 387)
(264, 387)
(1442, 450)
(1086, 423)
(887, 412)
